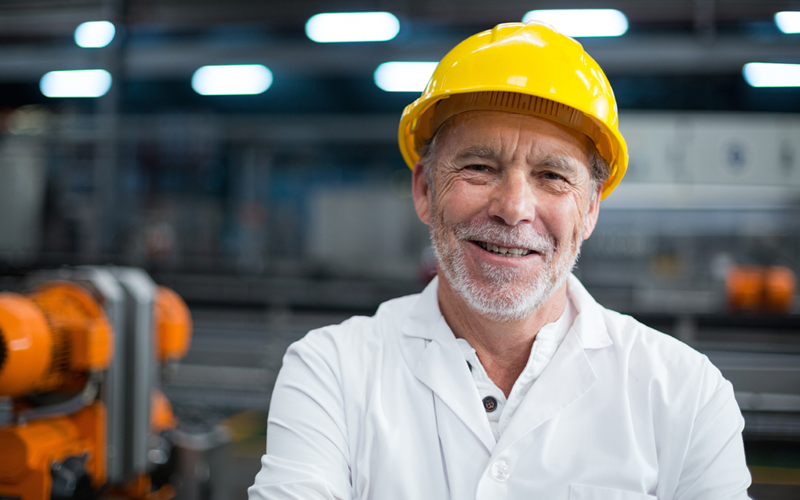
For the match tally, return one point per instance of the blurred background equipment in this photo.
(82, 357)
(244, 153)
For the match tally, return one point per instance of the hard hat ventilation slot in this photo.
(511, 102)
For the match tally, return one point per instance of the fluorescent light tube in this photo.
(76, 83)
(400, 76)
(582, 22)
(352, 27)
(772, 74)
(94, 34)
(240, 79)
(788, 21)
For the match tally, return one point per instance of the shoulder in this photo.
(633, 344)
(627, 333)
(669, 366)
(630, 335)
(359, 336)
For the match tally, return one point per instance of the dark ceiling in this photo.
(677, 54)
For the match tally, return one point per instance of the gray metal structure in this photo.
(126, 295)
(141, 368)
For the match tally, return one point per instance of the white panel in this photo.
(735, 149)
(713, 148)
(789, 151)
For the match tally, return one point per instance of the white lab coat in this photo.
(385, 408)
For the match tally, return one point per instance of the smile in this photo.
(504, 251)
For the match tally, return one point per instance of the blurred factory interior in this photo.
(283, 210)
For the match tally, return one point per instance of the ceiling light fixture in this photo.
(76, 83)
(239, 79)
(402, 76)
(772, 74)
(352, 27)
(94, 34)
(788, 21)
(582, 22)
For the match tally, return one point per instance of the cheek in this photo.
(458, 199)
(565, 219)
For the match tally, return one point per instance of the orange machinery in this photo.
(760, 289)
(81, 428)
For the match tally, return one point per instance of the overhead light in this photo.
(76, 83)
(582, 22)
(772, 74)
(238, 79)
(352, 27)
(788, 21)
(399, 76)
(94, 34)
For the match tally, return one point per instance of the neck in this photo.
(503, 347)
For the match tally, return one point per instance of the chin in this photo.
(502, 293)
(504, 302)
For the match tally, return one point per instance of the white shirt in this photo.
(385, 408)
(544, 347)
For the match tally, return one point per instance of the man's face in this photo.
(510, 205)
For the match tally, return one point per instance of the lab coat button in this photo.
(500, 471)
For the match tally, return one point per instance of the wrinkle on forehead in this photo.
(459, 125)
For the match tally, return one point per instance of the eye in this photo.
(552, 176)
(477, 168)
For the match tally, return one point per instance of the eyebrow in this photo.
(483, 152)
(559, 162)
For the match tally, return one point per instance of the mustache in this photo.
(502, 235)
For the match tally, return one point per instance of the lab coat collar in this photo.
(424, 313)
(567, 377)
(438, 363)
(590, 325)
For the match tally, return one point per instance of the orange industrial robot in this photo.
(80, 428)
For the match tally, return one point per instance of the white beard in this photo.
(495, 296)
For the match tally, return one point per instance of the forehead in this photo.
(512, 134)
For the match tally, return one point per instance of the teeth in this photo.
(511, 252)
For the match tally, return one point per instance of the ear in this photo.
(593, 213)
(421, 192)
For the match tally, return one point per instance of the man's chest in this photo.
(409, 442)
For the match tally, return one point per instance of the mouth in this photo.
(503, 251)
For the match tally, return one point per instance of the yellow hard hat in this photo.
(520, 68)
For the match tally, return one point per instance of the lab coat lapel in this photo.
(568, 376)
(439, 364)
(443, 368)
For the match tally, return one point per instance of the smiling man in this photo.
(504, 378)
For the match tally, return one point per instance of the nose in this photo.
(513, 201)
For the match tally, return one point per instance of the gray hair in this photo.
(429, 157)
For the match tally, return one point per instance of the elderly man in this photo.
(504, 378)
